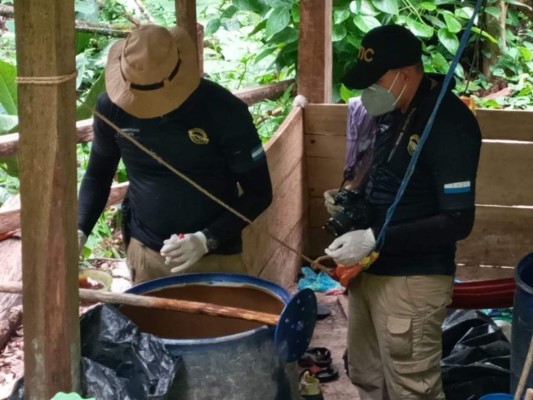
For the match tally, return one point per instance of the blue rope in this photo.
(411, 167)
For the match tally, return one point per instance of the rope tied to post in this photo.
(46, 80)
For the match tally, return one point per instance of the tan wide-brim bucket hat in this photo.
(153, 71)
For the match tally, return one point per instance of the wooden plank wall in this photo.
(286, 218)
(503, 231)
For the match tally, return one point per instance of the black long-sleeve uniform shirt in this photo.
(211, 139)
(437, 208)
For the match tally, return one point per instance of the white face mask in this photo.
(379, 100)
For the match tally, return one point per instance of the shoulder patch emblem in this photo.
(198, 136)
(413, 144)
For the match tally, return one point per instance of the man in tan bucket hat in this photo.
(155, 95)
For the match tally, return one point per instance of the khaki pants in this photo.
(145, 264)
(395, 335)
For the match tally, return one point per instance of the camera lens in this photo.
(338, 224)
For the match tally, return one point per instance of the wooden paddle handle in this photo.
(193, 307)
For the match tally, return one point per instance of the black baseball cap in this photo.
(383, 48)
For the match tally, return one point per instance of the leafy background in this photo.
(254, 42)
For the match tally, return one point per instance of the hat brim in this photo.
(361, 76)
(154, 103)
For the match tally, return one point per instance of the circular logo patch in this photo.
(198, 136)
(413, 143)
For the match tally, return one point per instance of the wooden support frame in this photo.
(45, 50)
(315, 50)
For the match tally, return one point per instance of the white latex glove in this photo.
(82, 239)
(352, 247)
(185, 251)
(329, 201)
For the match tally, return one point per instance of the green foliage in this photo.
(8, 97)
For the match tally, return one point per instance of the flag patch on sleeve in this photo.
(258, 152)
(457, 187)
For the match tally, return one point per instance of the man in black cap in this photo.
(397, 306)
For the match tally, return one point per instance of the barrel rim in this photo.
(211, 279)
(525, 262)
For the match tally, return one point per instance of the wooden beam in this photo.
(47, 119)
(315, 51)
(186, 18)
(254, 95)
(84, 128)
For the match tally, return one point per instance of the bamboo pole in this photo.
(192, 307)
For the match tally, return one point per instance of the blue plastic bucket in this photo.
(522, 325)
(497, 396)
(224, 358)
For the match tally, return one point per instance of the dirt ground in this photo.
(331, 333)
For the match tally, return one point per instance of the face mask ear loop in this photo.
(400, 95)
(394, 81)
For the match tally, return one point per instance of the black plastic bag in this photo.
(476, 356)
(116, 352)
(119, 362)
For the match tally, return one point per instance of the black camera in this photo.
(352, 215)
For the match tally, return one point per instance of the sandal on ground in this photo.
(320, 356)
(327, 374)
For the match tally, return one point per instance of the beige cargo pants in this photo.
(395, 335)
(145, 264)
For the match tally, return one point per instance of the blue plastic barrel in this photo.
(497, 396)
(522, 325)
(224, 358)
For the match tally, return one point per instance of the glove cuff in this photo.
(211, 242)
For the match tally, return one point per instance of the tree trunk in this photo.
(496, 28)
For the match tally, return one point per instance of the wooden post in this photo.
(47, 96)
(315, 50)
(186, 18)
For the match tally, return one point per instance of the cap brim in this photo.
(361, 76)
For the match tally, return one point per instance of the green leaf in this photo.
(278, 20)
(339, 16)
(287, 35)
(11, 165)
(387, 6)
(8, 88)
(229, 12)
(494, 11)
(212, 26)
(278, 3)
(439, 62)
(255, 6)
(265, 53)
(418, 28)
(339, 33)
(346, 93)
(365, 22)
(259, 27)
(81, 62)
(85, 109)
(428, 6)
(449, 40)
(464, 12)
(367, 8)
(8, 123)
(452, 23)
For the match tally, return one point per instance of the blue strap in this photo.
(411, 167)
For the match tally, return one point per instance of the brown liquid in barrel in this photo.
(180, 325)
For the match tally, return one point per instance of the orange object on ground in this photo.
(7, 235)
(345, 274)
